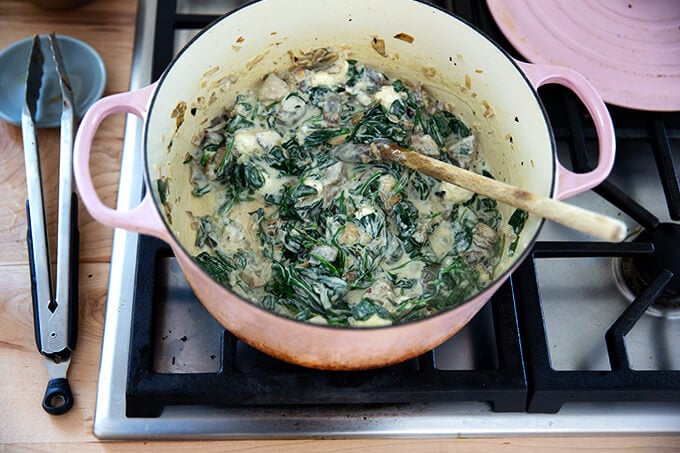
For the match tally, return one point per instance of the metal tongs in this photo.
(55, 313)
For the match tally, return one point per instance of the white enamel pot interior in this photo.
(492, 93)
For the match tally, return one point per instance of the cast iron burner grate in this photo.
(549, 389)
(414, 381)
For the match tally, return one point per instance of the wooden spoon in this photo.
(580, 219)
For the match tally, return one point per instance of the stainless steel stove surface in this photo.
(551, 354)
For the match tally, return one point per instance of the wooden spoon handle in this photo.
(580, 219)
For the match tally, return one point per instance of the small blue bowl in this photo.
(83, 64)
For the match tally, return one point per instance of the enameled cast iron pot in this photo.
(491, 92)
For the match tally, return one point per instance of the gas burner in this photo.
(634, 274)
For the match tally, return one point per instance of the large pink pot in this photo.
(454, 60)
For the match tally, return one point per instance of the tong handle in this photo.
(58, 398)
(74, 266)
(41, 328)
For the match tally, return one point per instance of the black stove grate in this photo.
(415, 381)
(549, 389)
(522, 379)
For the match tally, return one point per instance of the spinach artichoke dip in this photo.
(309, 228)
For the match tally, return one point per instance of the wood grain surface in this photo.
(108, 25)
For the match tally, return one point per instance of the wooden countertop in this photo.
(108, 26)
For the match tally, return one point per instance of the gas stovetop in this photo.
(560, 349)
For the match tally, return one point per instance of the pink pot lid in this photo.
(629, 50)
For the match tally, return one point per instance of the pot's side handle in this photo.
(143, 218)
(568, 182)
